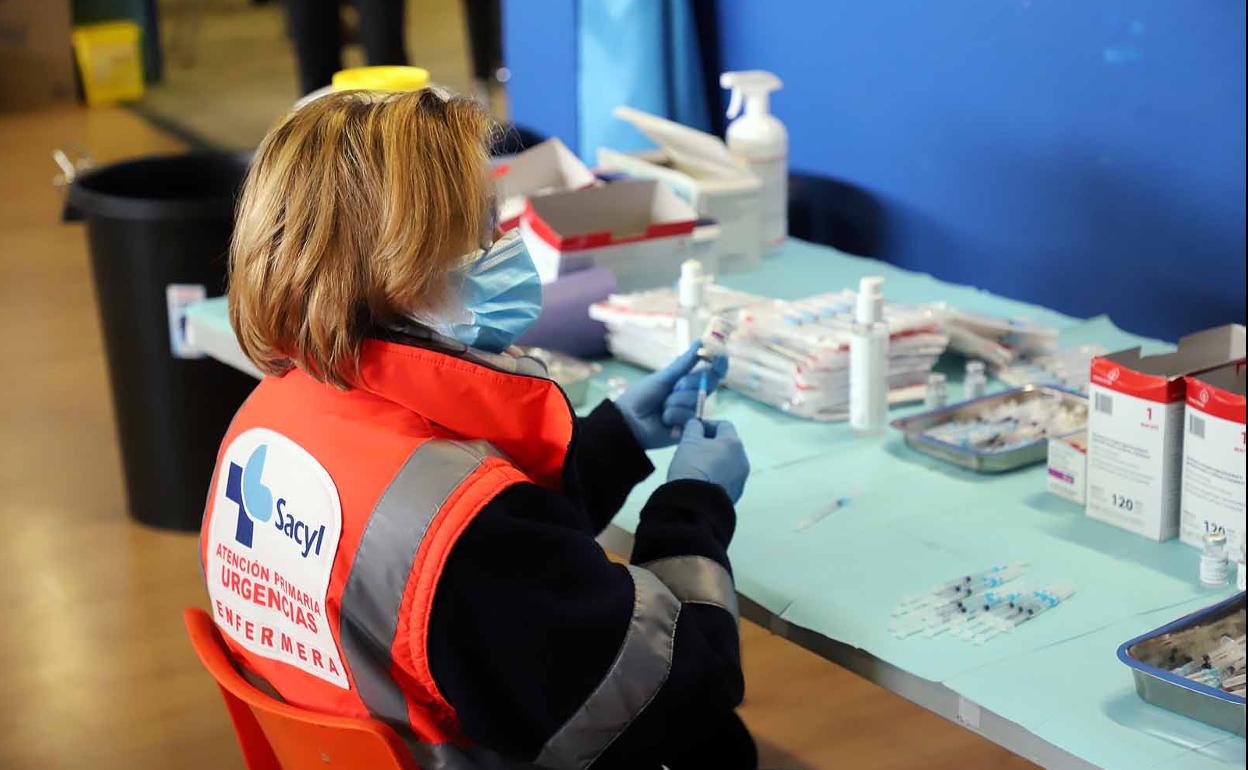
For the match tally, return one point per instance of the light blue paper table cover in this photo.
(913, 521)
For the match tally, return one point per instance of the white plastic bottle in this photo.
(868, 360)
(760, 141)
(690, 298)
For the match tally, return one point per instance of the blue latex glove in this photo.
(711, 451)
(657, 406)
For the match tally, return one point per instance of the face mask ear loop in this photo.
(502, 249)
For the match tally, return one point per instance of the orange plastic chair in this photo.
(277, 736)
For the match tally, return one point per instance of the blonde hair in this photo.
(354, 211)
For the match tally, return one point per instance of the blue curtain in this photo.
(640, 53)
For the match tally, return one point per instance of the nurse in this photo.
(416, 505)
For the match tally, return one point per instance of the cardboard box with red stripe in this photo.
(543, 168)
(698, 167)
(1135, 429)
(639, 230)
(1213, 457)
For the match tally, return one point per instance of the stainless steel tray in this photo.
(1175, 693)
(916, 426)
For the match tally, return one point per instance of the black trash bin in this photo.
(152, 223)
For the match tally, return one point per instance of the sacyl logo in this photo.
(245, 488)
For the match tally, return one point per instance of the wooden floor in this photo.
(94, 667)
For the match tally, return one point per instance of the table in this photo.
(1053, 690)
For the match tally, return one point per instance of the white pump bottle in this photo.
(760, 141)
(690, 300)
(868, 360)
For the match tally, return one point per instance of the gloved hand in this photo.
(657, 406)
(711, 451)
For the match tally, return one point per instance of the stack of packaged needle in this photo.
(793, 355)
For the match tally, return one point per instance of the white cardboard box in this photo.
(1213, 457)
(1068, 466)
(1135, 430)
(698, 167)
(546, 167)
(638, 229)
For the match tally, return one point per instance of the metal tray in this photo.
(1175, 693)
(916, 426)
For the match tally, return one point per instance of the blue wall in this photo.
(1088, 156)
(539, 47)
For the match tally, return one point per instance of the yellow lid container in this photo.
(109, 60)
(384, 78)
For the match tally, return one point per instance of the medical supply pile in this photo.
(1211, 653)
(975, 608)
(1065, 368)
(1221, 668)
(793, 355)
(1009, 424)
(1000, 342)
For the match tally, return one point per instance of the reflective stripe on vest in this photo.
(697, 580)
(645, 657)
(635, 677)
(373, 595)
(448, 756)
(374, 591)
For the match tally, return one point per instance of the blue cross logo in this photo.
(245, 489)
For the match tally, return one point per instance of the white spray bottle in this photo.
(759, 140)
(868, 360)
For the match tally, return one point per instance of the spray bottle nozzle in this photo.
(750, 87)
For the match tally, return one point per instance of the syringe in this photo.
(961, 587)
(1019, 612)
(933, 621)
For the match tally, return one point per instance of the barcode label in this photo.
(1196, 426)
(1104, 404)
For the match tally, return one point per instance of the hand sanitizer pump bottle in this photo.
(868, 360)
(690, 300)
(759, 140)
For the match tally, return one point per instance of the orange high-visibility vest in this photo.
(332, 513)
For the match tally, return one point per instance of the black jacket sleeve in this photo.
(604, 464)
(530, 615)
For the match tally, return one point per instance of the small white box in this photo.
(1213, 457)
(637, 229)
(1068, 466)
(543, 168)
(698, 167)
(1135, 430)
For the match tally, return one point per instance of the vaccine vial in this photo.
(715, 339)
(937, 391)
(975, 383)
(1213, 565)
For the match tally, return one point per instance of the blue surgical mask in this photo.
(501, 296)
